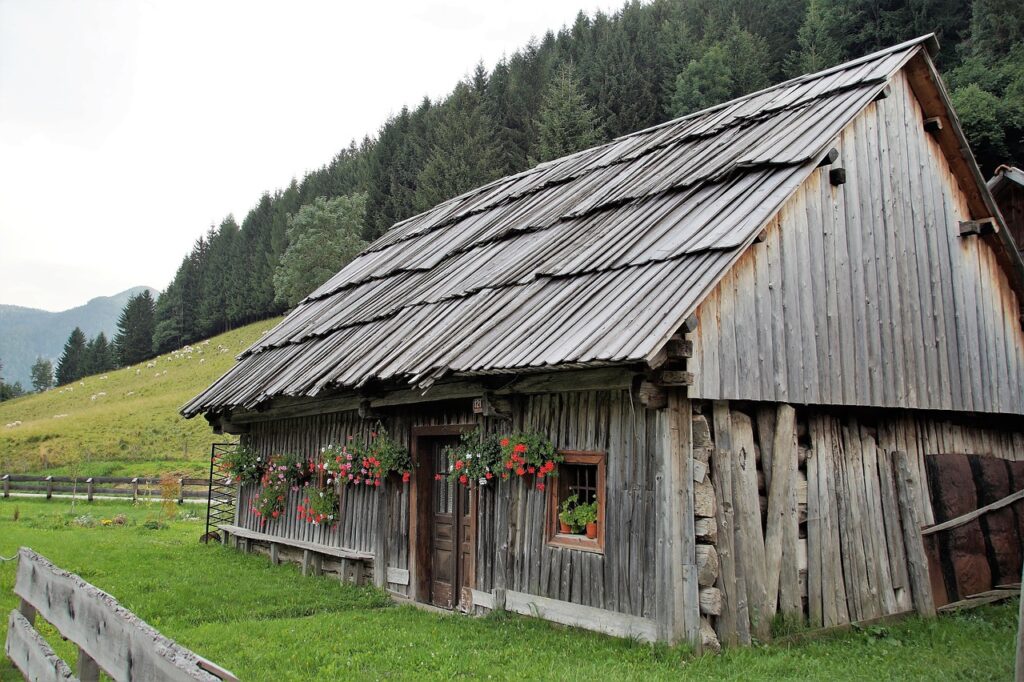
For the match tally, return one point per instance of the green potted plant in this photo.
(586, 517)
(567, 515)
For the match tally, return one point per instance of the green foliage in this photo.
(475, 460)
(577, 515)
(73, 361)
(816, 48)
(566, 123)
(704, 82)
(374, 459)
(321, 505)
(269, 502)
(244, 464)
(322, 237)
(42, 375)
(133, 341)
(99, 356)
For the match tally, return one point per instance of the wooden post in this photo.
(274, 558)
(307, 562)
(676, 581)
(1019, 667)
(181, 491)
(917, 562)
(499, 599)
(380, 556)
(87, 669)
(318, 563)
(88, 489)
(7, 485)
(135, 489)
(49, 487)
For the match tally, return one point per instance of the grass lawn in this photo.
(268, 623)
(124, 422)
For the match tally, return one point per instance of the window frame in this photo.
(578, 542)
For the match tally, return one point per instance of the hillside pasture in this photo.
(125, 422)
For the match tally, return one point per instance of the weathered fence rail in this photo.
(109, 637)
(184, 488)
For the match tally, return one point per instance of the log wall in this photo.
(809, 520)
(865, 293)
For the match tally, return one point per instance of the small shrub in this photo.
(119, 519)
(84, 521)
(154, 524)
(169, 495)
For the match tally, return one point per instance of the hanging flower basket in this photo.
(269, 502)
(476, 459)
(529, 454)
(244, 465)
(367, 462)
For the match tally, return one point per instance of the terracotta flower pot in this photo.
(564, 528)
(592, 530)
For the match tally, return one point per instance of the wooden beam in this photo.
(837, 176)
(917, 561)
(983, 226)
(884, 94)
(651, 396)
(380, 554)
(933, 125)
(673, 377)
(829, 158)
(970, 516)
(679, 348)
(690, 324)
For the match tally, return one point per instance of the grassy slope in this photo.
(134, 429)
(266, 622)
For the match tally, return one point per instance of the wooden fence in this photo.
(109, 637)
(185, 488)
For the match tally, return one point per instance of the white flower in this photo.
(483, 481)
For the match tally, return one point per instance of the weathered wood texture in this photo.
(32, 655)
(865, 294)
(838, 531)
(122, 644)
(512, 551)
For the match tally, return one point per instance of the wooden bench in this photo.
(339, 552)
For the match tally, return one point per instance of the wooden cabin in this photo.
(1007, 188)
(751, 331)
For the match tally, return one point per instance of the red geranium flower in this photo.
(540, 486)
(458, 464)
(509, 464)
(488, 475)
(504, 442)
(504, 477)
(406, 476)
(520, 471)
(520, 447)
(438, 477)
(532, 469)
(463, 479)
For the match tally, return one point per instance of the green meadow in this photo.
(267, 622)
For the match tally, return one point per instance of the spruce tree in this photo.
(42, 375)
(817, 50)
(566, 123)
(133, 341)
(71, 366)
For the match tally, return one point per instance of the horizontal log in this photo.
(706, 529)
(704, 499)
(31, 654)
(651, 396)
(121, 643)
(673, 377)
(339, 552)
(970, 516)
(707, 565)
(587, 617)
(679, 349)
(710, 601)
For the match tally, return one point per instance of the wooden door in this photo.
(445, 531)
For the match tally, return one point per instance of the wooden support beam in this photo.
(933, 125)
(983, 226)
(884, 94)
(837, 176)
(274, 557)
(917, 561)
(366, 411)
(690, 325)
(651, 396)
(829, 158)
(679, 348)
(87, 669)
(380, 554)
(673, 377)
(760, 236)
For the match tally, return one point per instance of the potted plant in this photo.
(567, 515)
(586, 517)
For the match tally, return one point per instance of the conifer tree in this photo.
(566, 123)
(817, 50)
(71, 366)
(133, 341)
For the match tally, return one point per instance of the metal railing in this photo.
(220, 494)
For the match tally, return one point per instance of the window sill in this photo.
(574, 541)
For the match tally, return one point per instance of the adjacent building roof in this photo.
(593, 259)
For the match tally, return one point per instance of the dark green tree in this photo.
(323, 236)
(72, 364)
(817, 50)
(42, 375)
(133, 341)
(566, 123)
(99, 356)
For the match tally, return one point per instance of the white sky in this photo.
(128, 128)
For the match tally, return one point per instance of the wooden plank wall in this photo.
(1010, 198)
(865, 294)
(511, 522)
(306, 436)
(829, 546)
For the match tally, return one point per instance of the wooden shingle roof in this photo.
(589, 260)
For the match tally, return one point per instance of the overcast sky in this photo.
(128, 128)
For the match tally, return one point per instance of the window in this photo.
(580, 474)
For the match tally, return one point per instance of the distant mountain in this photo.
(27, 333)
